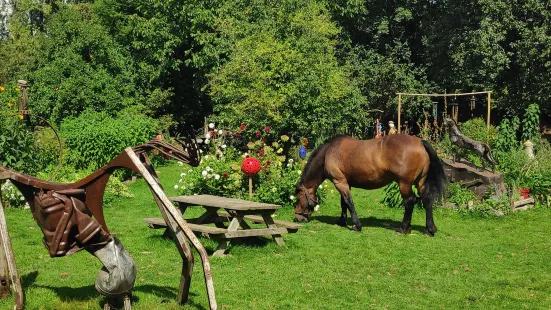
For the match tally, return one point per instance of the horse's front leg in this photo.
(344, 189)
(342, 219)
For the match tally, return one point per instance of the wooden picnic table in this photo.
(220, 210)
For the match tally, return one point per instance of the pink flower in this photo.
(242, 127)
(225, 175)
(267, 129)
(258, 133)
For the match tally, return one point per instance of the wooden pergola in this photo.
(445, 103)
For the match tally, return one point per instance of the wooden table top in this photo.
(223, 202)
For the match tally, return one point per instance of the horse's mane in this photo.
(319, 150)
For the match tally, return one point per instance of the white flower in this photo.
(316, 208)
(211, 125)
(21, 198)
(217, 176)
(274, 189)
(180, 163)
(224, 146)
(180, 181)
(206, 156)
(176, 186)
(292, 197)
(207, 136)
(204, 173)
(182, 174)
(299, 172)
(220, 132)
(209, 176)
(291, 160)
(320, 186)
(190, 170)
(200, 151)
(208, 168)
(207, 141)
(27, 206)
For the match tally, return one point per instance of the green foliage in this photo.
(506, 139)
(283, 71)
(220, 174)
(460, 195)
(11, 196)
(392, 197)
(531, 123)
(96, 138)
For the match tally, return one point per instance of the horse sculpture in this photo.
(371, 164)
(480, 148)
(71, 218)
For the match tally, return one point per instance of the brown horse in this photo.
(371, 164)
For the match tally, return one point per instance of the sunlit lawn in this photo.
(498, 263)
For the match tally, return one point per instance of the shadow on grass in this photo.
(211, 245)
(88, 292)
(368, 222)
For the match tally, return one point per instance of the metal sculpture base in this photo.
(470, 176)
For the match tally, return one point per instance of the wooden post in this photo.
(399, 111)
(250, 188)
(489, 103)
(4, 270)
(445, 106)
(10, 260)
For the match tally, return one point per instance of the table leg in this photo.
(223, 245)
(270, 223)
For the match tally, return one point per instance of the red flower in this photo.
(214, 133)
(261, 153)
(258, 133)
(242, 127)
(238, 135)
(225, 175)
(268, 163)
(267, 129)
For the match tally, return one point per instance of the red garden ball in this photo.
(250, 166)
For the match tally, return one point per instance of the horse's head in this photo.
(188, 154)
(306, 202)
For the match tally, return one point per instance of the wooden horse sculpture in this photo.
(71, 218)
(480, 148)
(371, 164)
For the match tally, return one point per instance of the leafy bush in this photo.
(11, 196)
(220, 173)
(531, 123)
(95, 138)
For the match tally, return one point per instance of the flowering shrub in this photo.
(220, 170)
(11, 196)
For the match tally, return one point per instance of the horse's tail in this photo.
(435, 184)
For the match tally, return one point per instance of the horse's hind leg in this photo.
(409, 202)
(342, 219)
(344, 189)
(430, 228)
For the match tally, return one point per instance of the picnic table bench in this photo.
(234, 211)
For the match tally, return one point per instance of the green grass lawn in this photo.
(497, 263)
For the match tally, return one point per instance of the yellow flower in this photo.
(2, 89)
(20, 116)
(10, 104)
(17, 89)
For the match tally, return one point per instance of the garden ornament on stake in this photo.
(480, 148)
(71, 219)
(250, 166)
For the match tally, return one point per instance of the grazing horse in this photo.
(371, 164)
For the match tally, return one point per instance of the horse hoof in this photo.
(401, 231)
(429, 233)
(357, 228)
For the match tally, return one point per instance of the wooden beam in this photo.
(489, 108)
(444, 95)
(399, 112)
